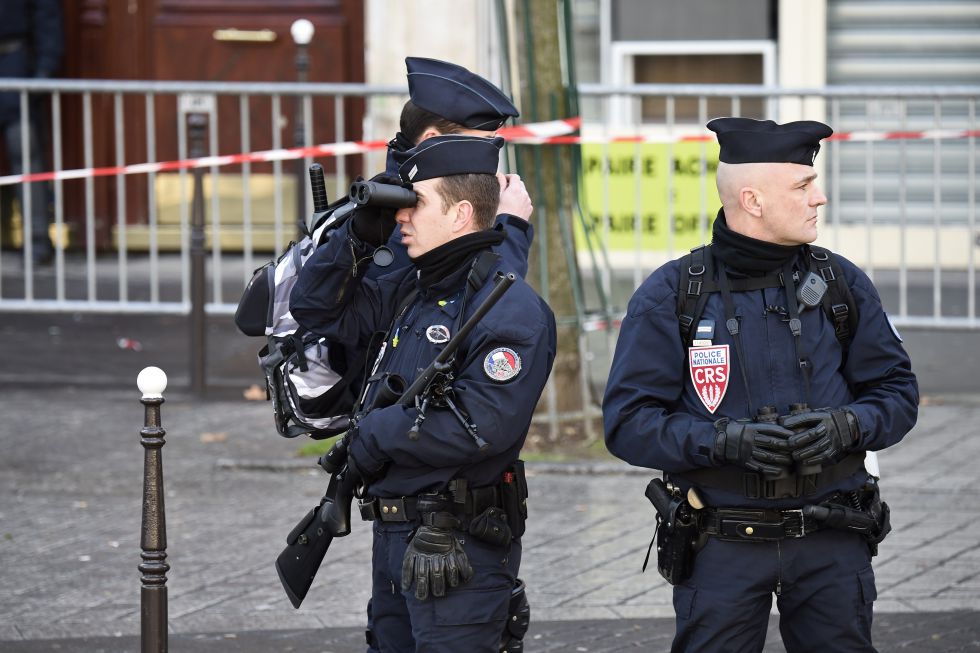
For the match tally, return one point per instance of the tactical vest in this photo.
(697, 282)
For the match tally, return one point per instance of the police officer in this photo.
(762, 418)
(31, 43)
(445, 98)
(447, 507)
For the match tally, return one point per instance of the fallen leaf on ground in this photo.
(254, 392)
(214, 437)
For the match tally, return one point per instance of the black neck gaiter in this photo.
(748, 254)
(439, 263)
(398, 144)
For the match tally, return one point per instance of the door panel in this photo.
(188, 40)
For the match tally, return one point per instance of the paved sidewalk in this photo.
(70, 492)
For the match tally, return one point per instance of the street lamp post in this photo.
(302, 32)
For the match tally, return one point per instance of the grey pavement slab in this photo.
(70, 496)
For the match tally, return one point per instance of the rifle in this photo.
(308, 542)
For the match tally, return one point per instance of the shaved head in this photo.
(733, 177)
(761, 199)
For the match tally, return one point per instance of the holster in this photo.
(866, 505)
(518, 620)
(677, 535)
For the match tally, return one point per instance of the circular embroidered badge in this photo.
(502, 364)
(437, 334)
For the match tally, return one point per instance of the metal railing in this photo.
(902, 209)
(901, 186)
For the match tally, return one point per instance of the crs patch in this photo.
(502, 364)
(709, 368)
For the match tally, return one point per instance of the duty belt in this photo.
(755, 524)
(405, 509)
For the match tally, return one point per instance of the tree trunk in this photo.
(550, 176)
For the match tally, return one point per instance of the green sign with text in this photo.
(634, 188)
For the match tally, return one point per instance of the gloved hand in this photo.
(756, 446)
(433, 559)
(374, 224)
(823, 435)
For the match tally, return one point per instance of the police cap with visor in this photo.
(744, 140)
(444, 156)
(458, 95)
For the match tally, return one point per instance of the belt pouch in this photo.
(513, 497)
(491, 526)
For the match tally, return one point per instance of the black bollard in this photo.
(152, 381)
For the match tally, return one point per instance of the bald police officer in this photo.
(758, 399)
(448, 509)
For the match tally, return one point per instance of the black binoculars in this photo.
(372, 193)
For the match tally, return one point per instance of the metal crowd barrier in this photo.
(902, 208)
(899, 175)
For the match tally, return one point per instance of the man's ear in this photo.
(463, 218)
(750, 199)
(428, 133)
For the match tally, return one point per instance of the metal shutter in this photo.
(902, 43)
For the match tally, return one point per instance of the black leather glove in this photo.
(374, 224)
(756, 446)
(824, 435)
(434, 559)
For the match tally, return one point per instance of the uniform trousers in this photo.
(824, 588)
(470, 617)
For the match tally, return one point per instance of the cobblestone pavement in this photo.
(70, 496)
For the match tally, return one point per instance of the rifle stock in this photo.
(306, 545)
(308, 542)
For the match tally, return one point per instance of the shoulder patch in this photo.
(502, 364)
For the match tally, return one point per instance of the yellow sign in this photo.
(634, 188)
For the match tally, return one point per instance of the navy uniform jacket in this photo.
(332, 298)
(654, 418)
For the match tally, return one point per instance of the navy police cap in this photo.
(456, 94)
(453, 154)
(744, 140)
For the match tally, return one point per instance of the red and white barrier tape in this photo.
(856, 136)
(540, 130)
(590, 324)
(554, 132)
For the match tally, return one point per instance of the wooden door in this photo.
(199, 40)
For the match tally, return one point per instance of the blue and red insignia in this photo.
(502, 364)
(709, 368)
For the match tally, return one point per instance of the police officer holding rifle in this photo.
(769, 369)
(439, 475)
